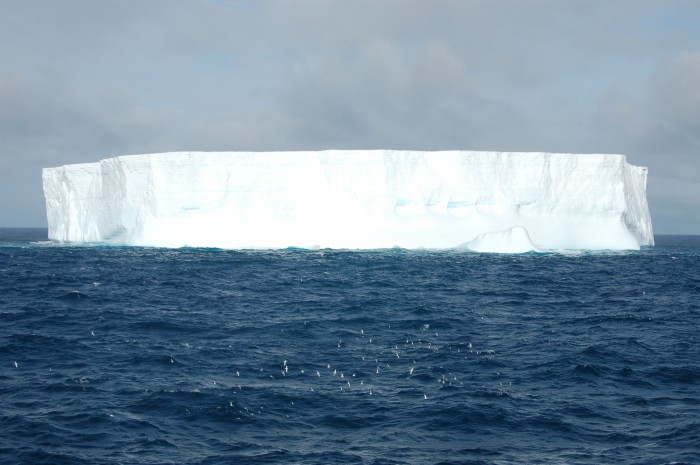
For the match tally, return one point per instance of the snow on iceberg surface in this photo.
(356, 199)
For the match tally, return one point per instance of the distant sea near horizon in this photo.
(125, 355)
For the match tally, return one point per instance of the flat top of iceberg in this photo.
(354, 156)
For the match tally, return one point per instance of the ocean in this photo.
(119, 355)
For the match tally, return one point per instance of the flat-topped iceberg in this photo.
(352, 199)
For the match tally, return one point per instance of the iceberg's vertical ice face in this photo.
(352, 199)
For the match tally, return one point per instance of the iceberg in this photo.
(353, 199)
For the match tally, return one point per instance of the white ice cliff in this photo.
(353, 199)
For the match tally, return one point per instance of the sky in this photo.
(83, 80)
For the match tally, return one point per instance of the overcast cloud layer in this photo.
(82, 80)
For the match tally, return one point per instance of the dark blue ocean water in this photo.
(197, 356)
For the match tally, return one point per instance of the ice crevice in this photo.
(353, 199)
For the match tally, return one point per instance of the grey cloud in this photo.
(676, 97)
(657, 123)
(81, 80)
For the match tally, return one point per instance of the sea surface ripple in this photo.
(199, 356)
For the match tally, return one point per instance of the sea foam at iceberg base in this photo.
(353, 199)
